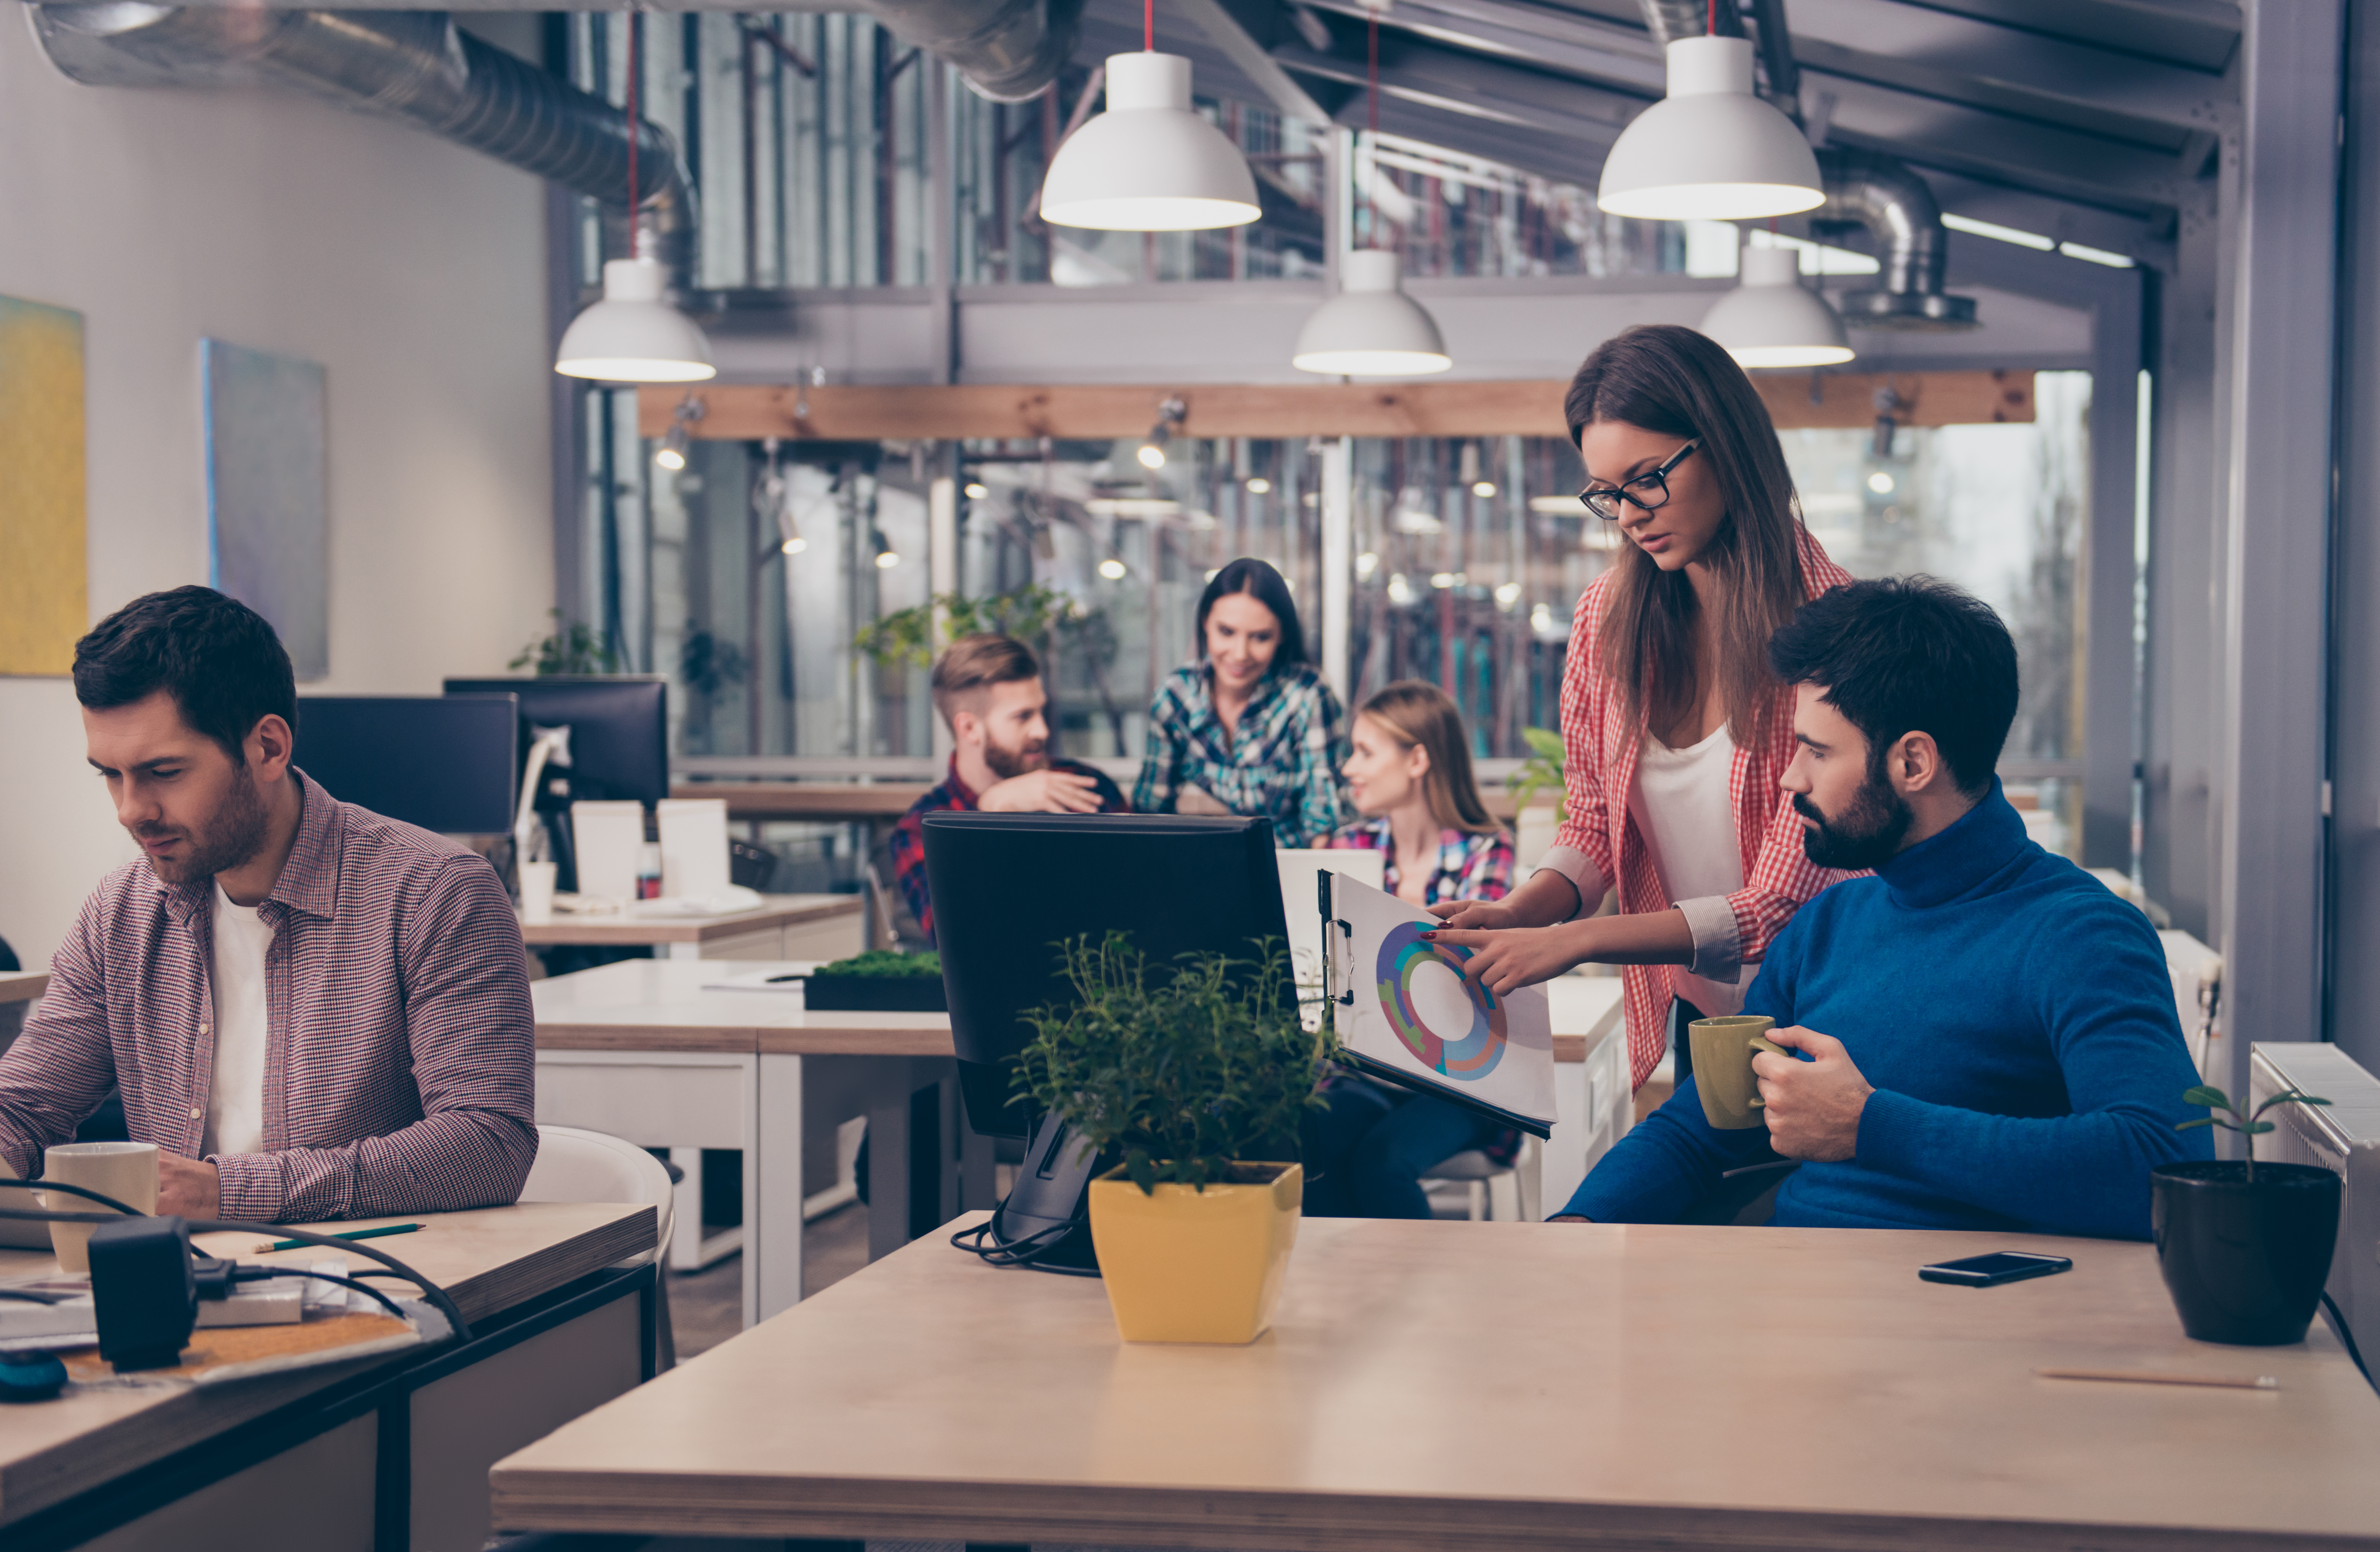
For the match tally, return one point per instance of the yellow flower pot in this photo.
(1192, 1266)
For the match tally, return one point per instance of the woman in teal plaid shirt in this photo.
(1251, 728)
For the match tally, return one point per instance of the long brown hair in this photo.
(1417, 713)
(1672, 380)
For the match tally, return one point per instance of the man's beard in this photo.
(1868, 834)
(233, 833)
(1005, 763)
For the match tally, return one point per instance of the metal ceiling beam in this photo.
(2201, 34)
(1249, 56)
(1622, 57)
(1468, 85)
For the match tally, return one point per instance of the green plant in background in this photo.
(883, 963)
(1182, 1073)
(571, 649)
(1543, 768)
(906, 637)
(2247, 1125)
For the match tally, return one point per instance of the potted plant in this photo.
(1193, 1079)
(879, 981)
(1533, 825)
(2244, 1248)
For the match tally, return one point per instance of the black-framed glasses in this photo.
(1644, 492)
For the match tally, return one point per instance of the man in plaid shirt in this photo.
(312, 1010)
(989, 690)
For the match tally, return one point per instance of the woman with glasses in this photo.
(1674, 730)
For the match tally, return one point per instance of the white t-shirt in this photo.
(235, 1100)
(1680, 806)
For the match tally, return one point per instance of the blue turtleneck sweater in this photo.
(2016, 1022)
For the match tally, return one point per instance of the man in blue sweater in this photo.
(1986, 1037)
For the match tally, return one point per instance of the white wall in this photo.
(413, 270)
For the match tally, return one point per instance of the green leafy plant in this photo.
(1182, 1073)
(906, 637)
(2247, 1125)
(573, 647)
(1543, 768)
(884, 963)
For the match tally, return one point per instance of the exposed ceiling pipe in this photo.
(1864, 189)
(1889, 197)
(1008, 50)
(414, 66)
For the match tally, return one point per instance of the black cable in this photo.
(2345, 1334)
(1024, 1251)
(125, 1208)
(32, 1298)
(266, 1274)
(436, 1295)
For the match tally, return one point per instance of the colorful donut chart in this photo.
(1475, 1053)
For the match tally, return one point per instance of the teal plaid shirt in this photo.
(1284, 765)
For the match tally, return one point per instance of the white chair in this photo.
(1498, 1191)
(576, 1165)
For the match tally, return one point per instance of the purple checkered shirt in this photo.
(400, 1057)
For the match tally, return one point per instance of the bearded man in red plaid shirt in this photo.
(313, 1012)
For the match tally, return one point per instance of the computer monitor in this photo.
(1009, 888)
(619, 728)
(443, 762)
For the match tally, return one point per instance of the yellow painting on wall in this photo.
(45, 605)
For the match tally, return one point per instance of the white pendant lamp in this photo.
(1772, 320)
(1710, 150)
(1371, 328)
(633, 334)
(1150, 163)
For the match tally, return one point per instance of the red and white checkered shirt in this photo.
(400, 1056)
(1598, 843)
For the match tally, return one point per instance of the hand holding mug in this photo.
(1812, 1106)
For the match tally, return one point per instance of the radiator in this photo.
(2345, 1137)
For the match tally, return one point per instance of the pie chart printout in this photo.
(1454, 1027)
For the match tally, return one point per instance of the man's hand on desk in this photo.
(1041, 792)
(188, 1188)
(1812, 1106)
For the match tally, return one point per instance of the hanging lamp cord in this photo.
(1148, 25)
(635, 129)
(1372, 116)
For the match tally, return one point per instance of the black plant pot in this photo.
(2245, 1264)
(875, 994)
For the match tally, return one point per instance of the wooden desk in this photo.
(22, 986)
(97, 1456)
(640, 1050)
(816, 802)
(1491, 1386)
(822, 926)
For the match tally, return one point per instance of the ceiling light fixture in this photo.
(1772, 320)
(1260, 486)
(977, 491)
(675, 446)
(1113, 569)
(633, 334)
(1169, 414)
(1483, 487)
(1371, 328)
(886, 556)
(1152, 162)
(1710, 150)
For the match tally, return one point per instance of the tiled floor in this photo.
(707, 1307)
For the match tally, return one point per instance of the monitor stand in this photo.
(1049, 1208)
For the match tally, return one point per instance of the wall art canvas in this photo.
(268, 493)
(44, 556)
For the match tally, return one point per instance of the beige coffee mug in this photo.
(537, 880)
(127, 1172)
(1723, 1048)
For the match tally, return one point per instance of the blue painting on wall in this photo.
(268, 493)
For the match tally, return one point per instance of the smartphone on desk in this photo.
(1987, 1271)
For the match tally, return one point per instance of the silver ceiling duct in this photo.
(1864, 189)
(1886, 196)
(1008, 50)
(414, 66)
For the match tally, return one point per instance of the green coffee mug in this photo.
(1723, 1048)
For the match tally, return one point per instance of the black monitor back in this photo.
(1008, 888)
(443, 762)
(619, 727)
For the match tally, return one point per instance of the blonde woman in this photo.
(1410, 779)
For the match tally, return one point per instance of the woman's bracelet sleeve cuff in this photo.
(1583, 876)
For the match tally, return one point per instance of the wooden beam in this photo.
(853, 413)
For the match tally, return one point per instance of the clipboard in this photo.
(1404, 1014)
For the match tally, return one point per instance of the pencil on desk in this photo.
(2142, 1376)
(349, 1234)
